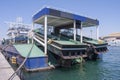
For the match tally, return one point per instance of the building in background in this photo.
(113, 39)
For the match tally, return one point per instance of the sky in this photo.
(106, 11)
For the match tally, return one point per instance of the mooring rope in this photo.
(14, 74)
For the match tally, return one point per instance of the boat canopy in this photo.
(58, 18)
(61, 20)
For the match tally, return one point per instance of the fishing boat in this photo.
(19, 48)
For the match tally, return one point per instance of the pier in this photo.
(5, 69)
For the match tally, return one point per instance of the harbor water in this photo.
(106, 69)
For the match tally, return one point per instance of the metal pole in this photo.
(74, 24)
(32, 34)
(28, 40)
(81, 35)
(97, 32)
(91, 33)
(45, 34)
(13, 37)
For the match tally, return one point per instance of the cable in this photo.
(14, 74)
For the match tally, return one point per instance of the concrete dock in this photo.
(5, 69)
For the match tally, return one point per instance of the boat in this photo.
(18, 45)
(49, 46)
(99, 45)
(55, 41)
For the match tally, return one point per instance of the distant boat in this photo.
(114, 42)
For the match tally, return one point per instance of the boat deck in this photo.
(63, 42)
(24, 49)
(5, 69)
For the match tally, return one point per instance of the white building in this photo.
(113, 39)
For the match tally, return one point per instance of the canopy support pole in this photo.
(75, 31)
(97, 32)
(32, 32)
(81, 33)
(45, 34)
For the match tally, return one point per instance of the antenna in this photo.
(19, 20)
(91, 33)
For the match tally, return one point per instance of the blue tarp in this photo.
(10, 49)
